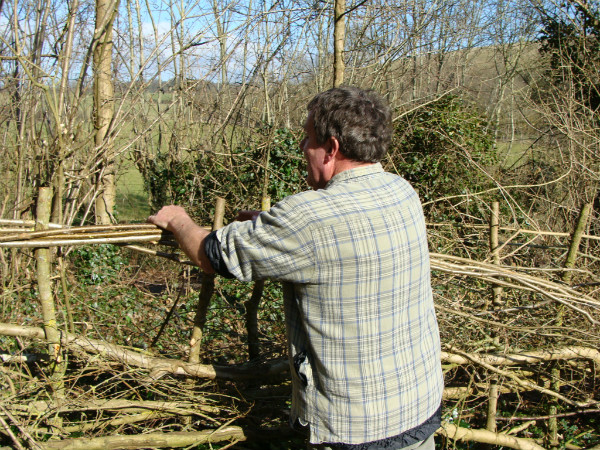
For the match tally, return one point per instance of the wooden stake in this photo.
(252, 306)
(493, 393)
(584, 215)
(553, 410)
(495, 249)
(42, 256)
(206, 292)
(43, 270)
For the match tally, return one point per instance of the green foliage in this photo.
(169, 180)
(571, 38)
(239, 177)
(97, 264)
(584, 434)
(286, 173)
(438, 147)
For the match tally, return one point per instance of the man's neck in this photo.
(347, 164)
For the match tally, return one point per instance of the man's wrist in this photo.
(181, 224)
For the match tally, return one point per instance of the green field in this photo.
(132, 199)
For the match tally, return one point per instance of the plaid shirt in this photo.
(363, 337)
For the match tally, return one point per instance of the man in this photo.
(352, 253)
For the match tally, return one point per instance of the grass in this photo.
(515, 154)
(132, 199)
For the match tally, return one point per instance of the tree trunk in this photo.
(339, 34)
(106, 10)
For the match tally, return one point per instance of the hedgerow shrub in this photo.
(443, 149)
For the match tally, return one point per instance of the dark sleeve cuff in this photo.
(212, 248)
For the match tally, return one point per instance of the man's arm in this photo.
(189, 236)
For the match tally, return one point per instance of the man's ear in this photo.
(334, 149)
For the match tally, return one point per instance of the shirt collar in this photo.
(350, 174)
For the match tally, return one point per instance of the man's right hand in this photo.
(170, 217)
(189, 236)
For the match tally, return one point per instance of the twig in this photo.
(567, 414)
(499, 274)
(26, 223)
(86, 230)
(513, 230)
(521, 427)
(148, 251)
(529, 357)
(11, 434)
(26, 435)
(169, 314)
(523, 383)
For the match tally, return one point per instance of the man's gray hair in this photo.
(360, 120)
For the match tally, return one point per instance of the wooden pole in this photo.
(582, 220)
(493, 393)
(495, 249)
(206, 292)
(252, 305)
(553, 410)
(43, 271)
(42, 256)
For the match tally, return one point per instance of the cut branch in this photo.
(158, 367)
(531, 357)
(486, 437)
(156, 440)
